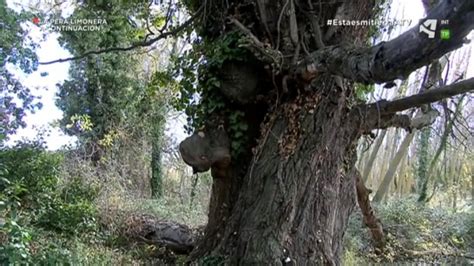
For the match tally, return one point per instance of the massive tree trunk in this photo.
(295, 198)
(288, 196)
(285, 199)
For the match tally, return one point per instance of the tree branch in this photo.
(399, 121)
(396, 58)
(143, 43)
(424, 120)
(390, 107)
(260, 49)
(382, 114)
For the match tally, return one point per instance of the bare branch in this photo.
(260, 49)
(247, 32)
(382, 114)
(143, 43)
(430, 96)
(400, 121)
(397, 58)
(386, 121)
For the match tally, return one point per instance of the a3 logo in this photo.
(429, 27)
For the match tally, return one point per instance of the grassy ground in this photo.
(81, 216)
(415, 234)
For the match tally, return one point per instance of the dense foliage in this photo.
(415, 232)
(17, 54)
(32, 195)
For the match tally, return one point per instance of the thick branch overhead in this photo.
(399, 57)
(383, 114)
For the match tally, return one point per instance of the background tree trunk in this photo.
(390, 174)
(156, 172)
(373, 155)
(156, 137)
(442, 146)
(423, 158)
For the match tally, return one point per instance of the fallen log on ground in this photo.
(173, 236)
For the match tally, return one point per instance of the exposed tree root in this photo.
(374, 224)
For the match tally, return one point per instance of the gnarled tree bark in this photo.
(287, 198)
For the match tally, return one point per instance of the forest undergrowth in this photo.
(55, 210)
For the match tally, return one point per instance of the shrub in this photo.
(72, 210)
(69, 218)
(30, 174)
(32, 195)
(16, 243)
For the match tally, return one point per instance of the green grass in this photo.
(414, 233)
